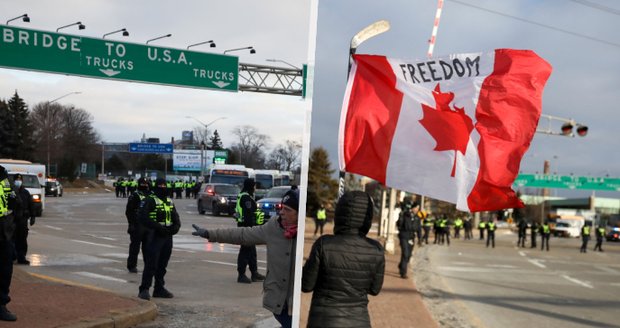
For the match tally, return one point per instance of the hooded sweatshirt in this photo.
(344, 268)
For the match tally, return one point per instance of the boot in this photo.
(6, 315)
(243, 279)
(162, 293)
(257, 277)
(144, 294)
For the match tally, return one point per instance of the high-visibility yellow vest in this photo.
(482, 225)
(5, 190)
(161, 206)
(586, 231)
(491, 226)
(321, 215)
(259, 216)
(546, 228)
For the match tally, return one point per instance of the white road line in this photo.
(616, 284)
(100, 237)
(607, 269)
(501, 266)
(52, 227)
(94, 244)
(578, 282)
(99, 276)
(522, 253)
(537, 263)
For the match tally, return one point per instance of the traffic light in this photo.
(582, 130)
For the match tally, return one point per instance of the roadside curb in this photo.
(147, 311)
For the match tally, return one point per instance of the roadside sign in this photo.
(152, 148)
(567, 182)
(113, 60)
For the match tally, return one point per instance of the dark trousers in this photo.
(156, 255)
(533, 241)
(457, 232)
(481, 234)
(405, 252)
(21, 238)
(544, 241)
(521, 241)
(599, 244)
(6, 269)
(491, 238)
(247, 257)
(285, 320)
(137, 241)
(584, 243)
(318, 226)
(427, 231)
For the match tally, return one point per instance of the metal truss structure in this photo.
(271, 79)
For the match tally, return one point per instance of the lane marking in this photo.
(578, 282)
(537, 263)
(501, 266)
(100, 237)
(99, 276)
(94, 244)
(53, 228)
(522, 253)
(607, 269)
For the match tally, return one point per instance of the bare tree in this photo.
(285, 157)
(250, 147)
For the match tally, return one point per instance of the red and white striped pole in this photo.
(431, 42)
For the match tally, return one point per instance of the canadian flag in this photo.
(453, 128)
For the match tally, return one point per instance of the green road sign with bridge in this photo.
(106, 59)
(567, 182)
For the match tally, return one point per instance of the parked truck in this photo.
(34, 178)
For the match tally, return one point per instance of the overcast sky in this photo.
(123, 111)
(583, 84)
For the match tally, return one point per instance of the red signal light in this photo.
(567, 129)
(582, 130)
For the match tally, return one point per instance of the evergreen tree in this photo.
(6, 131)
(322, 188)
(22, 139)
(215, 142)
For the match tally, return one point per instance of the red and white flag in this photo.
(452, 128)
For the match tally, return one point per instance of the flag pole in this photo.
(431, 41)
(366, 33)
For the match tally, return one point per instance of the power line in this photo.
(539, 24)
(598, 6)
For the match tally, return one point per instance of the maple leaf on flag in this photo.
(450, 128)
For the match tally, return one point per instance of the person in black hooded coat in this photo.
(344, 268)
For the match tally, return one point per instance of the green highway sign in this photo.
(106, 59)
(566, 182)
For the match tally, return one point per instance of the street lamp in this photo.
(202, 145)
(252, 50)
(79, 24)
(159, 37)
(200, 43)
(24, 18)
(47, 119)
(124, 30)
(567, 127)
(273, 60)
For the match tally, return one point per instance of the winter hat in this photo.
(291, 200)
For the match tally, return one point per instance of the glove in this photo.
(32, 219)
(200, 232)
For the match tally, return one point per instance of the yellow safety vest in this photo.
(321, 215)
(5, 190)
(165, 207)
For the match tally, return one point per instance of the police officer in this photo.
(321, 217)
(522, 226)
(137, 234)
(491, 226)
(481, 227)
(545, 234)
(585, 237)
(159, 216)
(7, 227)
(23, 211)
(427, 225)
(533, 230)
(406, 230)
(248, 215)
(600, 232)
(458, 224)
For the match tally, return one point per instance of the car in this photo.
(271, 203)
(613, 234)
(218, 198)
(53, 188)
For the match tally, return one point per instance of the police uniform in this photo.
(7, 227)
(545, 233)
(585, 237)
(406, 231)
(159, 216)
(137, 233)
(491, 226)
(600, 232)
(23, 212)
(321, 217)
(248, 215)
